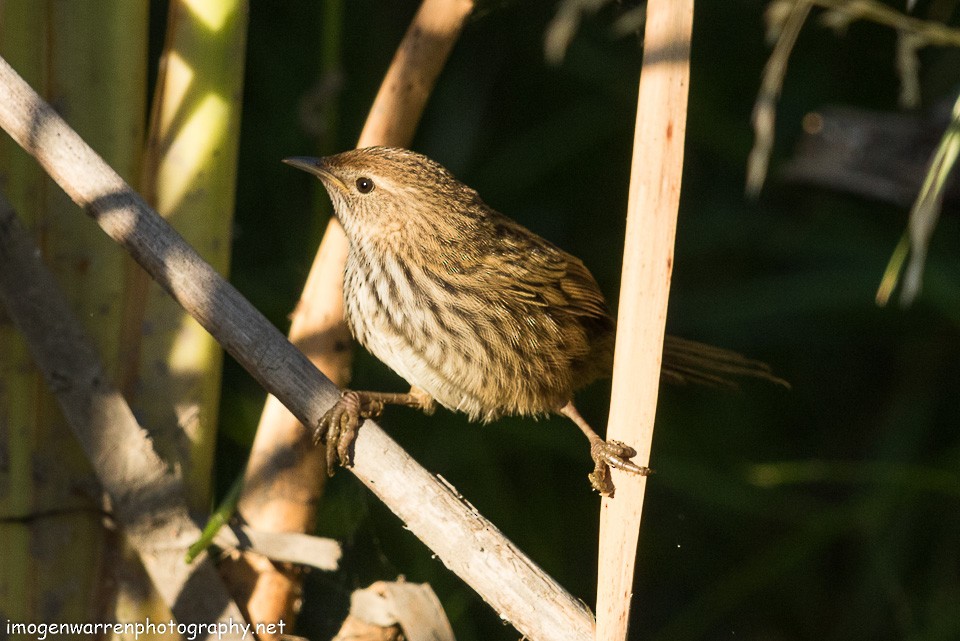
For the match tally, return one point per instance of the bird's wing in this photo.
(534, 270)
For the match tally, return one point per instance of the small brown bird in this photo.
(475, 311)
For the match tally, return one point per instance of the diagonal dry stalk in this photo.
(466, 542)
(647, 265)
(147, 499)
(284, 478)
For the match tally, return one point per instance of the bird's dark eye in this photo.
(364, 185)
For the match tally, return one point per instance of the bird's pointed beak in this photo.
(318, 168)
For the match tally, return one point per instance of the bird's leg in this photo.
(338, 426)
(606, 454)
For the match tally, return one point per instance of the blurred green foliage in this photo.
(827, 512)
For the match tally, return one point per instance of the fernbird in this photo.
(475, 311)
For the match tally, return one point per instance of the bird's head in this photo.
(383, 192)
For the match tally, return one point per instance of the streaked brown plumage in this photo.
(474, 310)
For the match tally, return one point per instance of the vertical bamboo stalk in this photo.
(171, 373)
(647, 265)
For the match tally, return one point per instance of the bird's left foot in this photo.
(607, 454)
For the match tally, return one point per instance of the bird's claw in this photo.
(337, 428)
(615, 454)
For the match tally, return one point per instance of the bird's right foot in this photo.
(337, 428)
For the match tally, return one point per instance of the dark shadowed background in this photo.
(831, 511)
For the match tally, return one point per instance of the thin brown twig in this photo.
(765, 109)
(926, 32)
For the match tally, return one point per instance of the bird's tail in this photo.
(686, 361)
